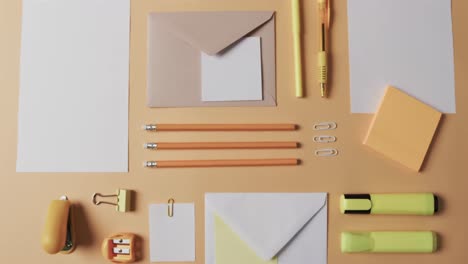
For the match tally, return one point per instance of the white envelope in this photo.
(289, 226)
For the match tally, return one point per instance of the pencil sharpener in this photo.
(120, 248)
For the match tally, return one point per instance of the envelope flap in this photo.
(212, 32)
(267, 222)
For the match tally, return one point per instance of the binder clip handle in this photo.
(96, 202)
(123, 203)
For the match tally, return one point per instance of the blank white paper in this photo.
(73, 104)
(172, 239)
(404, 43)
(234, 75)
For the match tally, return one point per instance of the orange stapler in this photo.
(58, 235)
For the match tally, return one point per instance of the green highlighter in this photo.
(390, 204)
(388, 242)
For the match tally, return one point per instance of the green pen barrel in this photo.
(404, 204)
(389, 242)
(390, 204)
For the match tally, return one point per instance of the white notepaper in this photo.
(404, 43)
(172, 239)
(73, 104)
(234, 75)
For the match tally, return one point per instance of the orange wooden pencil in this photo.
(222, 145)
(220, 163)
(220, 127)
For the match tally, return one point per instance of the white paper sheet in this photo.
(235, 75)
(73, 104)
(404, 43)
(172, 239)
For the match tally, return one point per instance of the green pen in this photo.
(391, 204)
(389, 242)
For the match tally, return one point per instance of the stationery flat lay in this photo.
(236, 131)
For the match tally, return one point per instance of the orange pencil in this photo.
(220, 163)
(220, 127)
(222, 145)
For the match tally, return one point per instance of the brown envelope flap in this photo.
(212, 32)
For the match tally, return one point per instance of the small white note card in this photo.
(172, 239)
(233, 75)
(407, 44)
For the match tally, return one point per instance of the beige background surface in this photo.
(25, 197)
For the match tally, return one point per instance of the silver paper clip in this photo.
(328, 152)
(325, 126)
(324, 139)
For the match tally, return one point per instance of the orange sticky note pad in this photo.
(403, 128)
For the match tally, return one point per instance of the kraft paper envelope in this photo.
(287, 228)
(177, 40)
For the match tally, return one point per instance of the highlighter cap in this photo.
(355, 204)
(353, 242)
(389, 242)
